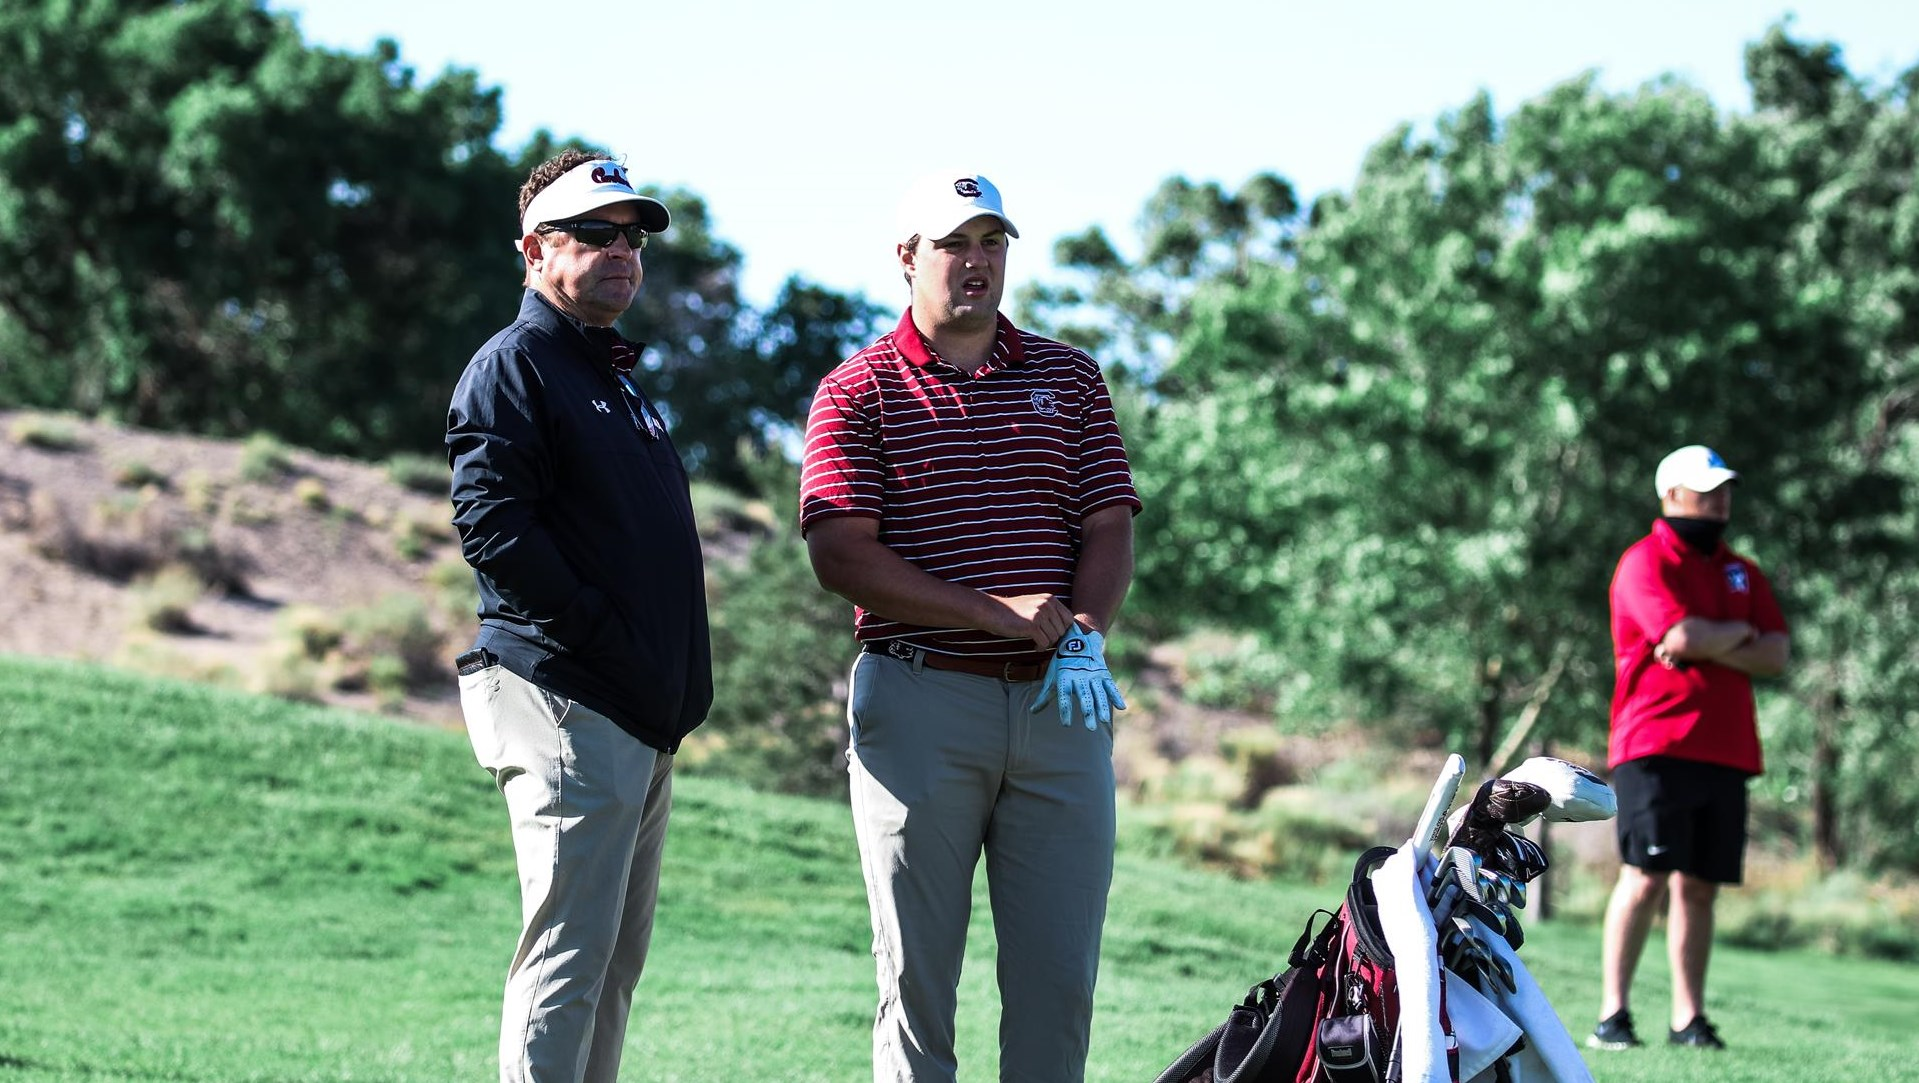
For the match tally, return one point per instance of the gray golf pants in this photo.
(589, 805)
(944, 765)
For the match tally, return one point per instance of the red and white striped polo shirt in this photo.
(979, 478)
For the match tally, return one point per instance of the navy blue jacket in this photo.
(573, 510)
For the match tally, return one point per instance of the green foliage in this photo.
(747, 391)
(781, 650)
(273, 236)
(1406, 443)
(261, 232)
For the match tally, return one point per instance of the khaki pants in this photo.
(589, 805)
(944, 766)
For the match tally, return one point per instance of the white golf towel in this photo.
(1408, 924)
(1551, 1055)
(1485, 1025)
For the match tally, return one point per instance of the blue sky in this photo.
(799, 123)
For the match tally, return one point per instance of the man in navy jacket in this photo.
(592, 660)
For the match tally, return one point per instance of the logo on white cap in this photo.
(1696, 467)
(586, 188)
(938, 203)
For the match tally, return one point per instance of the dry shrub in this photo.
(138, 474)
(416, 535)
(455, 595)
(47, 432)
(264, 459)
(201, 493)
(389, 648)
(125, 539)
(311, 494)
(164, 601)
(243, 510)
(427, 474)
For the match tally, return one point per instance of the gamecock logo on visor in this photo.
(967, 187)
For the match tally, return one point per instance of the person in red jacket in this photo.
(1692, 623)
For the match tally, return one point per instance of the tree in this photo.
(1191, 234)
(1853, 539)
(748, 392)
(1409, 452)
(206, 224)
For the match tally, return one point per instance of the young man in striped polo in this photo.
(966, 488)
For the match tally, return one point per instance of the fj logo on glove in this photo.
(1074, 646)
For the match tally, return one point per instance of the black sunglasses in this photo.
(598, 233)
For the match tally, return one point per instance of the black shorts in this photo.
(1682, 816)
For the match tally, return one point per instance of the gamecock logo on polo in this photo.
(1046, 403)
(967, 187)
(610, 174)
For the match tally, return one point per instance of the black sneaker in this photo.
(1614, 1032)
(1698, 1033)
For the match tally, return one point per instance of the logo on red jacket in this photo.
(1736, 578)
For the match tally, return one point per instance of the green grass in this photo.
(199, 885)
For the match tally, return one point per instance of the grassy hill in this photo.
(203, 885)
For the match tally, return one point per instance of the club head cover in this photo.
(1578, 795)
(1500, 801)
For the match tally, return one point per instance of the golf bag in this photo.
(1470, 1009)
(1329, 1017)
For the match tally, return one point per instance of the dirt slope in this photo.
(286, 546)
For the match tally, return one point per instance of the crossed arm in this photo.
(849, 559)
(1733, 643)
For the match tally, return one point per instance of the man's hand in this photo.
(1079, 671)
(1042, 618)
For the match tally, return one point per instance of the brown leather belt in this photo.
(1016, 672)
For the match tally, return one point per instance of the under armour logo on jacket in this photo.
(1736, 578)
(601, 406)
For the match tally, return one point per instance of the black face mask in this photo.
(1701, 535)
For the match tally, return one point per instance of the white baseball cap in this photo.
(1696, 467)
(588, 187)
(939, 203)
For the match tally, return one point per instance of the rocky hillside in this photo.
(248, 563)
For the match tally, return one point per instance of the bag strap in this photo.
(1362, 907)
(1310, 950)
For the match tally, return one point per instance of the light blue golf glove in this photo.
(1079, 671)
